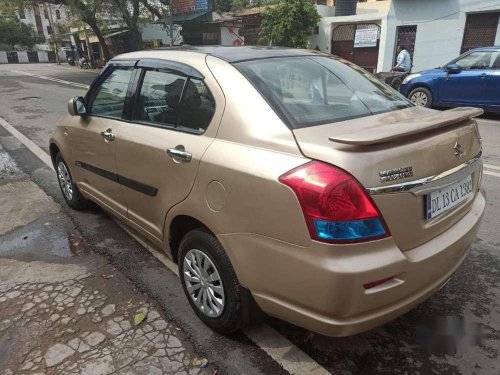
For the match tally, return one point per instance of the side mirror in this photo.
(453, 69)
(76, 106)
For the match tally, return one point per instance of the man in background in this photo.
(403, 62)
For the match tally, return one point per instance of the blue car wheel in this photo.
(421, 96)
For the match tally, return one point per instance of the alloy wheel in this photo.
(203, 283)
(65, 180)
(419, 98)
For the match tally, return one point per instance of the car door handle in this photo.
(484, 75)
(179, 154)
(108, 135)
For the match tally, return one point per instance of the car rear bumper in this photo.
(320, 287)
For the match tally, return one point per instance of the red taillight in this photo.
(335, 205)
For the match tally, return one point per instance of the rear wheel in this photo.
(421, 96)
(70, 191)
(210, 283)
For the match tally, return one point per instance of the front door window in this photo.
(108, 99)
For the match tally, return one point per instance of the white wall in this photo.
(322, 40)
(154, 31)
(22, 57)
(440, 29)
(29, 14)
(43, 57)
(325, 10)
(327, 24)
(230, 36)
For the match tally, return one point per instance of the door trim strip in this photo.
(132, 184)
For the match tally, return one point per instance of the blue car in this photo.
(473, 79)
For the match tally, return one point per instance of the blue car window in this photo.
(478, 60)
(496, 65)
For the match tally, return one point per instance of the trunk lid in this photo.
(378, 151)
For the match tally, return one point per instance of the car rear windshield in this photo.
(315, 90)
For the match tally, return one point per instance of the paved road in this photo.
(33, 105)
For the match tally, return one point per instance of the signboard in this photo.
(201, 5)
(366, 38)
(184, 6)
(189, 6)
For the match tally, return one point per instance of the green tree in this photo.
(289, 23)
(135, 12)
(14, 33)
(224, 5)
(130, 11)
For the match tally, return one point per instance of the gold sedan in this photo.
(280, 180)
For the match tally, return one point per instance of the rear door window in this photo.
(159, 97)
(197, 106)
(108, 99)
(173, 100)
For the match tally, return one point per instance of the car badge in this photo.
(459, 150)
(396, 174)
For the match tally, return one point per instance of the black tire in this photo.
(416, 96)
(76, 201)
(396, 83)
(235, 308)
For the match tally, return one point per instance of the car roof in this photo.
(492, 48)
(228, 53)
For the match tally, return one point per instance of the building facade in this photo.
(43, 18)
(435, 32)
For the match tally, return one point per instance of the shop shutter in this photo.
(480, 30)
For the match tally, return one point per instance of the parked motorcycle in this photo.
(392, 78)
(84, 63)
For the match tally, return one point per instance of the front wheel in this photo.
(70, 191)
(421, 97)
(210, 283)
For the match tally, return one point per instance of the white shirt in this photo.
(404, 60)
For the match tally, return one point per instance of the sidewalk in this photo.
(65, 309)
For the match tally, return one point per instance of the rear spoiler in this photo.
(391, 131)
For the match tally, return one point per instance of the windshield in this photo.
(314, 90)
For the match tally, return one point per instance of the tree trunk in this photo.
(88, 16)
(97, 31)
(136, 33)
(102, 42)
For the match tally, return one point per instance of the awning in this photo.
(193, 17)
(116, 33)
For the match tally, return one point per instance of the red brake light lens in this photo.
(335, 205)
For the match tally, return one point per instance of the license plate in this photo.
(446, 198)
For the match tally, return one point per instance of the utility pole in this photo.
(54, 40)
